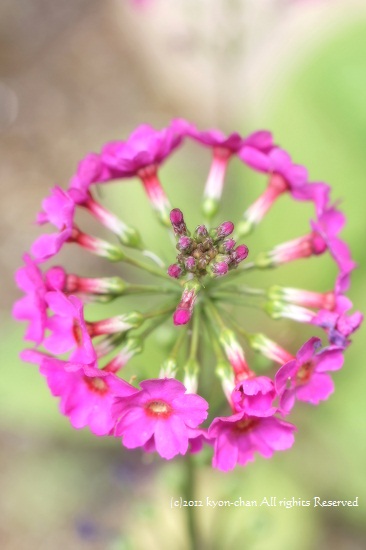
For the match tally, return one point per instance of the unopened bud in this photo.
(175, 271)
(227, 246)
(201, 233)
(219, 269)
(190, 263)
(184, 243)
(181, 316)
(222, 231)
(177, 221)
(239, 254)
(225, 229)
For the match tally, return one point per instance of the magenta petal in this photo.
(319, 388)
(171, 437)
(287, 401)
(60, 304)
(78, 417)
(225, 454)
(307, 351)
(100, 420)
(278, 434)
(135, 427)
(47, 246)
(254, 158)
(31, 308)
(165, 388)
(329, 360)
(285, 374)
(192, 407)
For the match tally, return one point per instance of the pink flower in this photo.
(58, 209)
(305, 377)
(87, 393)
(90, 170)
(68, 327)
(144, 147)
(323, 237)
(140, 155)
(33, 306)
(255, 396)
(239, 436)
(337, 324)
(261, 140)
(327, 227)
(162, 410)
(275, 161)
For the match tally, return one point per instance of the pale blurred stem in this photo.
(213, 397)
(189, 495)
(246, 290)
(146, 267)
(157, 313)
(154, 257)
(158, 320)
(236, 326)
(232, 299)
(150, 289)
(233, 274)
(178, 344)
(195, 333)
(215, 317)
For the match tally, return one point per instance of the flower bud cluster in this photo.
(206, 252)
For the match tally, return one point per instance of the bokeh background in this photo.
(78, 73)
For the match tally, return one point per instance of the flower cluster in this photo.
(83, 361)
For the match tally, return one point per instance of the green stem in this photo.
(189, 495)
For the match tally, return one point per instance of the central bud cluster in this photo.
(204, 252)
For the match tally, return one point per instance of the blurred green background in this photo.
(76, 75)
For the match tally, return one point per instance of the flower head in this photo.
(197, 299)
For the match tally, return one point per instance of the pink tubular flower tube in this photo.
(162, 410)
(193, 283)
(223, 147)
